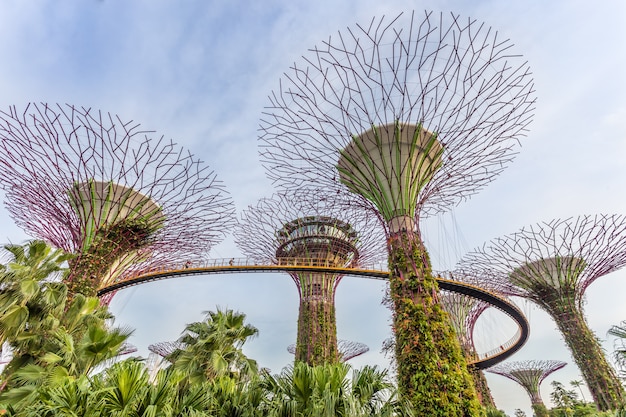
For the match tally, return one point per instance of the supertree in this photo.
(529, 374)
(346, 349)
(298, 227)
(552, 264)
(100, 188)
(464, 312)
(127, 349)
(165, 349)
(159, 352)
(404, 117)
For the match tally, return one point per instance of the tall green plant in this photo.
(51, 339)
(432, 370)
(213, 347)
(327, 390)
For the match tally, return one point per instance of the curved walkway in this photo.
(232, 265)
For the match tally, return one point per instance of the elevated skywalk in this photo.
(379, 271)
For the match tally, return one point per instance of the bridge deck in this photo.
(233, 265)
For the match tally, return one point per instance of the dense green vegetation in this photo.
(109, 246)
(317, 333)
(66, 363)
(63, 352)
(432, 371)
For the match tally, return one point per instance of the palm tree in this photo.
(212, 348)
(126, 391)
(578, 383)
(325, 390)
(29, 292)
(52, 340)
(67, 397)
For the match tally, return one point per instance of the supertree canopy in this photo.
(165, 349)
(408, 116)
(127, 349)
(530, 375)
(98, 187)
(347, 349)
(552, 264)
(300, 228)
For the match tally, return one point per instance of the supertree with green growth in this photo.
(103, 190)
(346, 349)
(404, 117)
(301, 229)
(464, 313)
(552, 264)
(530, 375)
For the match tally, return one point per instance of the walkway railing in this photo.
(377, 271)
(247, 262)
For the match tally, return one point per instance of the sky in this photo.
(199, 72)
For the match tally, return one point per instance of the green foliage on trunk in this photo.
(317, 333)
(540, 410)
(110, 244)
(481, 386)
(605, 387)
(432, 371)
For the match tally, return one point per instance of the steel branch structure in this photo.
(347, 349)
(552, 264)
(165, 349)
(98, 187)
(302, 226)
(404, 117)
(127, 349)
(530, 375)
(463, 311)
(455, 78)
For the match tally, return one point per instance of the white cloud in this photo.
(199, 72)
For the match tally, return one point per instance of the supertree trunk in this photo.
(482, 387)
(432, 371)
(317, 333)
(536, 403)
(605, 387)
(112, 250)
(539, 409)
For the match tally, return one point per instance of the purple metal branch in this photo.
(570, 253)
(529, 374)
(270, 215)
(347, 349)
(455, 76)
(49, 149)
(164, 349)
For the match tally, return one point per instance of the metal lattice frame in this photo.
(407, 117)
(563, 255)
(456, 78)
(293, 227)
(334, 234)
(347, 349)
(165, 349)
(73, 175)
(127, 349)
(529, 374)
(271, 215)
(552, 264)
